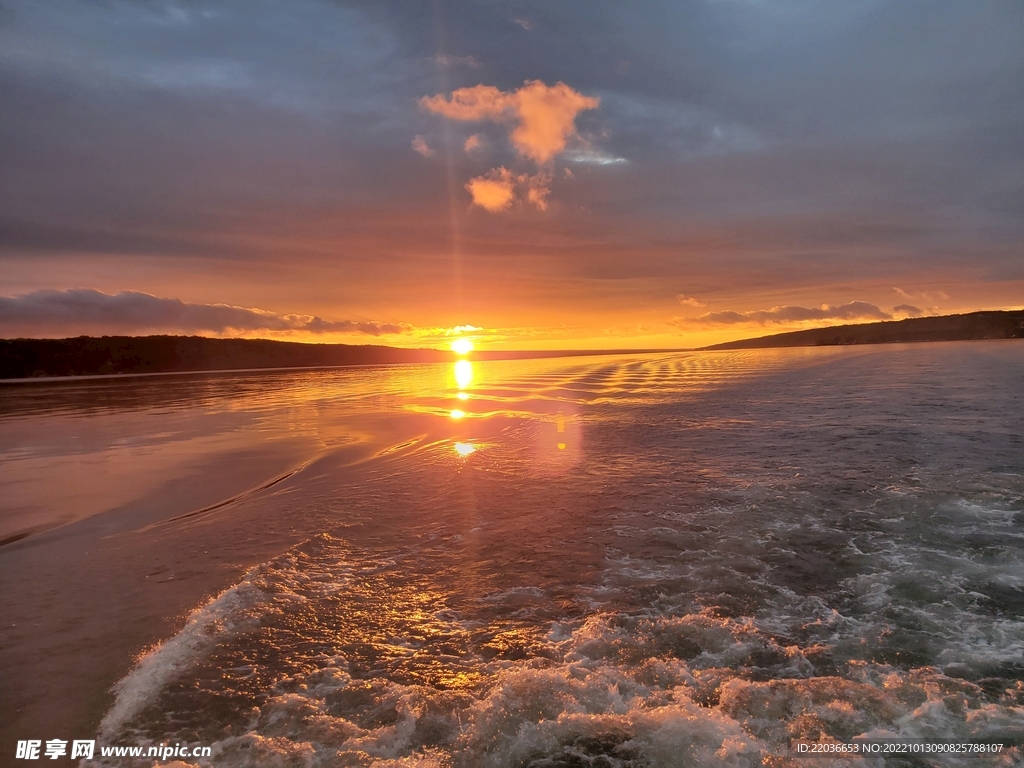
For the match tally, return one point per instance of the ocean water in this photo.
(693, 559)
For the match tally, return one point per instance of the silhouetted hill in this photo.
(969, 327)
(88, 356)
(92, 356)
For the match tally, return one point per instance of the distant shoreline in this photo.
(973, 326)
(106, 357)
(89, 357)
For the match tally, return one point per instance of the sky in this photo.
(662, 173)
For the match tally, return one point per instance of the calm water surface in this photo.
(688, 559)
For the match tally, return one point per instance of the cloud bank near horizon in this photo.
(133, 311)
(854, 310)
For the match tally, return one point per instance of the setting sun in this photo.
(462, 346)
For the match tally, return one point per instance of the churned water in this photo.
(679, 560)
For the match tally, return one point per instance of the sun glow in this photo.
(457, 414)
(462, 346)
(464, 449)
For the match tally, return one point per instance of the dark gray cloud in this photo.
(854, 310)
(134, 312)
(798, 143)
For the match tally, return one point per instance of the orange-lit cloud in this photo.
(497, 189)
(460, 329)
(548, 118)
(419, 144)
(481, 102)
(544, 117)
(689, 301)
(542, 120)
(494, 191)
(537, 189)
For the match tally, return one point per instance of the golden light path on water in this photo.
(463, 372)
(464, 376)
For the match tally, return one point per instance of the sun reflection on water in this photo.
(463, 373)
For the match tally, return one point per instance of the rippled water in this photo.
(691, 559)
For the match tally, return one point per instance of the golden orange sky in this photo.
(670, 175)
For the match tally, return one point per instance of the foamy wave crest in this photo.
(173, 658)
(235, 612)
(610, 690)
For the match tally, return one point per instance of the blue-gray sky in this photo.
(385, 170)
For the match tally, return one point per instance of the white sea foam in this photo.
(623, 691)
(173, 658)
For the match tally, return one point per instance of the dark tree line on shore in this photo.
(90, 356)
